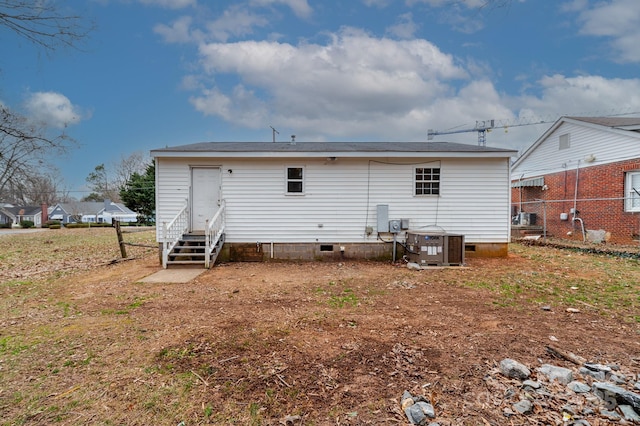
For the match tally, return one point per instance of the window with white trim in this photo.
(564, 142)
(427, 181)
(295, 180)
(632, 192)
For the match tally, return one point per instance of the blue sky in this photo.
(158, 73)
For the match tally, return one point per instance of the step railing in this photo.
(214, 231)
(173, 231)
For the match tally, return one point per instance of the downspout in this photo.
(575, 204)
(520, 190)
(575, 194)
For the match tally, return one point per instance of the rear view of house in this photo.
(307, 200)
(581, 180)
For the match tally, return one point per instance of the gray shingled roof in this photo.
(23, 210)
(626, 123)
(326, 147)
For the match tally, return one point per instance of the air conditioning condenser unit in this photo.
(434, 249)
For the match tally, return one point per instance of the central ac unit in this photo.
(435, 249)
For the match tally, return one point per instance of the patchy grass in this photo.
(82, 341)
(50, 253)
(566, 278)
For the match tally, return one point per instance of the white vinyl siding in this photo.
(585, 142)
(340, 198)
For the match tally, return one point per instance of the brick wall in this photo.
(600, 202)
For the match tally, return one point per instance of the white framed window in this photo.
(564, 142)
(632, 192)
(295, 180)
(427, 181)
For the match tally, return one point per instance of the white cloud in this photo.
(170, 4)
(351, 82)
(376, 3)
(574, 6)
(52, 108)
(299, 7)
(358, 86)
(235, 21)
(405, 28)
(618, 20)
(240, 103)
(178, 32)
(590, 94)
(470, 4)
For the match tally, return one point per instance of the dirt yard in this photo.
(83, 341)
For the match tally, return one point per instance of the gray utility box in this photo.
(435, 249)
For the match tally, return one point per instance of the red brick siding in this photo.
(600, 202)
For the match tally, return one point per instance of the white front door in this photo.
(205, 195)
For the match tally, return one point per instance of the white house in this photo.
(307, 200)
(92, 212)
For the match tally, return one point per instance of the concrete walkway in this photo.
(173, 276)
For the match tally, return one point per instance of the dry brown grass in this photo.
(83, 341)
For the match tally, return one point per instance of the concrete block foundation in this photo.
(265, 252)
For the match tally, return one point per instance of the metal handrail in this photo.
(173, 231)
(214, 230)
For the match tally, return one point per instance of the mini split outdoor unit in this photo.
(434, 249)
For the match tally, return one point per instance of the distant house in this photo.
(13, 215)
(308, 200)
(92, 212)
(581, 180)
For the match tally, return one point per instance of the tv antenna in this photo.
(274, 131)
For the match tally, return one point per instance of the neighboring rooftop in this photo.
(623, 123)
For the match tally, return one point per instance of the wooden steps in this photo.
(190, 251)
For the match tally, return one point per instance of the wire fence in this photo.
(595, 220)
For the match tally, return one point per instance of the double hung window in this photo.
(295, 180)
(632, 192)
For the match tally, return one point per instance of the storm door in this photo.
(205, 195)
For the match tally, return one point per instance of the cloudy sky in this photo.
(158, 73)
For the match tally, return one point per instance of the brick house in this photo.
(581, 180)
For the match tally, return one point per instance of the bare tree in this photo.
(43, 23)
(25, 145)
(127, 166)
(37, 189)
(106, 182)
(102, 185)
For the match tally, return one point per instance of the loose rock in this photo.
(523, 407)
(579, 387)
(561, 374)
(514, 369)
